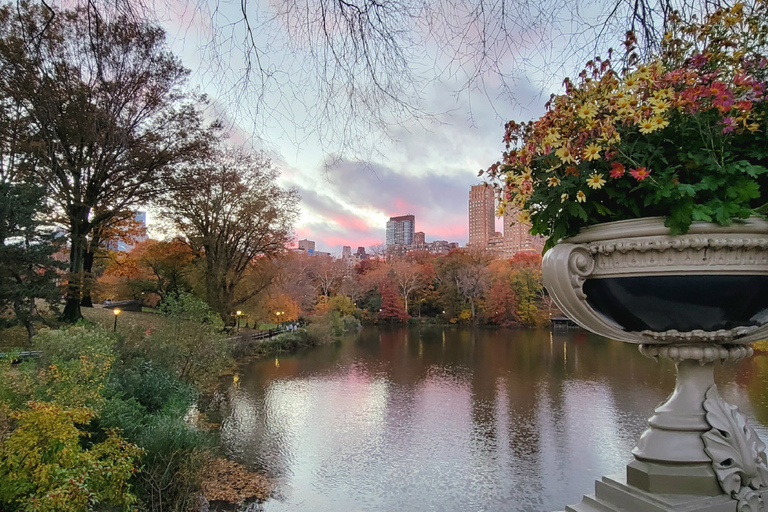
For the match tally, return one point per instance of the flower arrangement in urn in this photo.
(681, 134)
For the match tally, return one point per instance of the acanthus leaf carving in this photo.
(737, 453)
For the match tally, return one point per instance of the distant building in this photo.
(140, 218)
(418, 238)
(307, 246)
(482, 233)
(482, 220)
(495, 245)
(517, 237)
(400, 230)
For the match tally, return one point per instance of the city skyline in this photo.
(423, 167)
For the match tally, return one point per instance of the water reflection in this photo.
(455, 419)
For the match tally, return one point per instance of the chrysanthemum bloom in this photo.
(565, 155)
(596, 181)
(617, 170)
(524, 217)
(660, 122)
(581, 196)
(647, 126)
(640, 173)
(592, 152)
(563, 198)
(553, 181)
(587, 111)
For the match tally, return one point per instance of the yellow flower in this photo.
(596, 181)
(581, 196)
(587, 111)
(592, 152)
(524, 217)
(648, 126)
(659, 106)
(563, 198)
(553, 181)
(552, 138)
(660, 122)
(565, 155)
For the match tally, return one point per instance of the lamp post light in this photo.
(116, 312)
(238, 314)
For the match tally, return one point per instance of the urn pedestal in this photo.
(696, 299)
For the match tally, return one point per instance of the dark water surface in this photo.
(454, 419)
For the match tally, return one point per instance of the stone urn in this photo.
(696, 299)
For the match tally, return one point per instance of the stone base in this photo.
(612, 494)
(696, 479)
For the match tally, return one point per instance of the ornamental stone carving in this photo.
(737, 453)
(644, 248)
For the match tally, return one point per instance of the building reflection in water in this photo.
(452, 419)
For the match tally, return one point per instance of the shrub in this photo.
(72, 370)
(191, 346)
(44, 467)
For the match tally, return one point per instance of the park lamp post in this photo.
(277, 314)
(116, 312)
(238, 314)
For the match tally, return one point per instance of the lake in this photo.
(454, 419)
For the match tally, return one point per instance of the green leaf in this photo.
(686, 189)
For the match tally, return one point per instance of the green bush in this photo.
(71, 372)
(350, 324)
(45, 467)
(189, 345)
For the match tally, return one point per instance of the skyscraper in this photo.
(516, 235)
(400, 230)
(482, 222)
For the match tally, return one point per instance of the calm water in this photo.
(454, 420)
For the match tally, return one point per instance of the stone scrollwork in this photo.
(737, 453)
(581, 264)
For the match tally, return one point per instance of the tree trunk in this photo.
(72, 312)
(88, 257)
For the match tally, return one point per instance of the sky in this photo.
(424, 168)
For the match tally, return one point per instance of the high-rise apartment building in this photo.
(516, 235)
(482, 221)
(400, 230)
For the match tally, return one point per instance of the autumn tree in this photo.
(410, 276)
(326, 273)
(232, 212)
(501, 304)
(527, 284)
(103, 113)
(166, 264)
(392, 307)
(467, 271)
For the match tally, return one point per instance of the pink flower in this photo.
(698, 60)
(729, 124)
(640, 173)
(617, 170)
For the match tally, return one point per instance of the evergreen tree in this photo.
(27, 268)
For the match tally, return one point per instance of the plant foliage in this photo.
(681, 135)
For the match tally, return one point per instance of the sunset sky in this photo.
(424, 169)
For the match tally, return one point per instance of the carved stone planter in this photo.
(696, 299)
